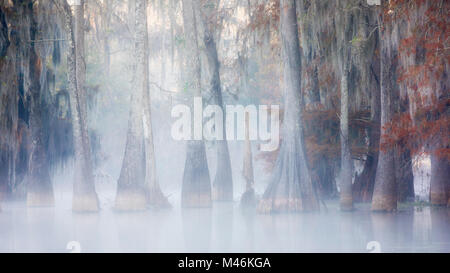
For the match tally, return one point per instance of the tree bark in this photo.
(291, 188)
(223, 180)
(196, 187)
(440, 182)
(364, 183)
(343, 34)
(404, 176)
(385, 189)
(132, 188)
(40, 188)
(106, 43)
(84, 195)
(155, 196)
(346, 195)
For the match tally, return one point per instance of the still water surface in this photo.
(224, 228)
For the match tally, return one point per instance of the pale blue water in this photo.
(224, 228)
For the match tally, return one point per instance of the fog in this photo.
(224, 228)
(79, 171)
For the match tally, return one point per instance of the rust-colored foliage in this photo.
(425, 55)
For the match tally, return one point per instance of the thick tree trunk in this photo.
(40, 188)
(84, 194)
(385, 189)
(132, 188)
(223, 180)
(440, 182)
(196, 187)
(291, 188)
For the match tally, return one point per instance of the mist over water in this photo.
(224, 228)
(241, 62)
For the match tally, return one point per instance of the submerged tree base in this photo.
(40, 199)
(221, 195)
(384, 204)
(158, 200)
(130, 200)
(196, 200)
(85, 203)
(439, 199)
(346, 203)
(248, 199)
(280, 205)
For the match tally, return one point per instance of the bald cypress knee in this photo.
(290, 188)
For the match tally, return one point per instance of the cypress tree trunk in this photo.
(344, 33)
(223, 180)
(84, 194)
(402, 157)
(248, 199)
(385, 189)
(364, 183)
(291, 188)
(404, 176)
(155, 196)
(106, 46)
(132, 188)
(346, 196)
(196, 187)
(40, 188)
(440, 182)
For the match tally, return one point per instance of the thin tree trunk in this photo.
(404, 176)
(40, 188)
(364, 183)
(346, 195)
(85, 198)
(155, 196)
(84, 194)
(291, 187)
(385, 189)
(344, 32)
(106, 46)
(196, 187)
(132, 188)
(248, 199)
